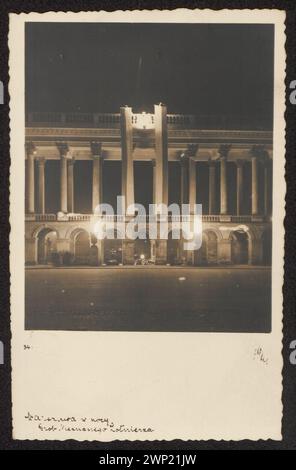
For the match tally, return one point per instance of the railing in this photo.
(118, 218)
(175, 121)
(108, 120)
(43, 217)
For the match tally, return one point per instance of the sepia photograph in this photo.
(147, 198)
(139, 138)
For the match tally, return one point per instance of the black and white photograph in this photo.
(131, 128)
(147, 198)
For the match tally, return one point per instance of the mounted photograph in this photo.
(131, 128)
(147, 214)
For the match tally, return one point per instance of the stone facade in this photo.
(67, 237)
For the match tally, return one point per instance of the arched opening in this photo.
(200, 255)
(81, 247)
(112, 249)
(46, 246)
(142, 250)
(212, 247)
(239, 247)
(267, 247)
(207, 254)
(173, 250)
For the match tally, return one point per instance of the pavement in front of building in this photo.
(149, 299)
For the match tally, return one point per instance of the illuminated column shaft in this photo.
(154, 180)
(70, 187)
(161, 150)
(127, 155)
(63, 168)
(192, 184)
(223, 186)
(254, 186)
(31, 184)
(239, 187)
(97, 181)
(184, 182)
(212, 188)
(41, 185)
(266, 188)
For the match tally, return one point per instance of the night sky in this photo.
(199, 69)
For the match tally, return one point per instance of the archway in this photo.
(113, 249)
(173, 250)
(46, 246)
(142, 250)
(239, 247)
(212, 247)
(267, 247)
(208, 252)
(81, 247)
(200, 255)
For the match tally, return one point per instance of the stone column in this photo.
(161, 150)
(266, 187)
(212, 187)
(64, 203)
(154, 180)
(256, 252)
(41, 185)
(254, 186)
(184, 180)
(31, 178)
(192, 184)
(127, 155)
(96, 175)
(223, 186)
(70, 184)
(239, 186)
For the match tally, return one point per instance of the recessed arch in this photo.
(113, 247)
(80, 246)
(240, 246)
(212, 246)
(142, 249)
(207, 254)
(173, 248)
(46, 245)
(37, 230)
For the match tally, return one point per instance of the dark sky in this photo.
(216, 70)
(198, 69)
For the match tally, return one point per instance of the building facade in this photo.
(228, 171)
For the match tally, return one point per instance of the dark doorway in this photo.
(239, 247)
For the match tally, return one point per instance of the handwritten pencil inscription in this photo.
(259, 355)
(82, 424)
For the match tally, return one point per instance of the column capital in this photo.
(192, 149)
(30, 149)
(259, 151)
(96, 149)
(63, 149)
(71, 161)
(224, 150)
(41, 160)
